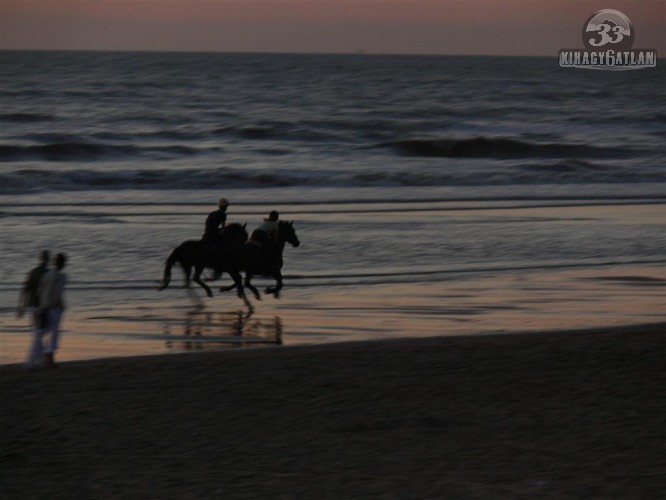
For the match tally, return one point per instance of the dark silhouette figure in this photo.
(265, 259)
(29, 300)
(215, 222)
(199, 254)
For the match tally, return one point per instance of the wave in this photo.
(30, 180)
(88, 151)
(25, 117)
(281, 131)
(492, 147)
(62, 147)
(276, 131)
(560, 172)
(163, 143)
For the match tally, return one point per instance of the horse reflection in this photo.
(203, 329)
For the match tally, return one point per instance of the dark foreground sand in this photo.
(564, 415)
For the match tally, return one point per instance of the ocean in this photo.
(430, 185)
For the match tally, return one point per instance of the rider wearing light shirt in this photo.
(267, 231)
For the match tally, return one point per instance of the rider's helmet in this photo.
(222, 203)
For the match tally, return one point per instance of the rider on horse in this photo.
(215, 222)
(267, 232)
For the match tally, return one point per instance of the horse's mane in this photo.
(234, 228)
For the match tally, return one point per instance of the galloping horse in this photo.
(266, 259)
(201, 254)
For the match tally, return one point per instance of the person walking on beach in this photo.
(29, 300)
(52, 303)
(216, 221)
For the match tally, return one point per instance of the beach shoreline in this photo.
(172, 321)
(548, 415)
(244, 345)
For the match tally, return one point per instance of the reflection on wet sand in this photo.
(492, 302)
(205, 329)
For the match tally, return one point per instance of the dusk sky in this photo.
(493, 27)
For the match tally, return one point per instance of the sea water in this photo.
(407, 172)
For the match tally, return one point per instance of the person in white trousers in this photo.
(52, 302)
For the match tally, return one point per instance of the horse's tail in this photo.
(168, 264)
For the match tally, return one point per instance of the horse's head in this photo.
(288, 233)
(235, 233)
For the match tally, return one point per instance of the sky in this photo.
(479, 27)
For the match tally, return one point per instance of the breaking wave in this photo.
(558, 172)
(488, 147)
(85, 151)
(25, 117)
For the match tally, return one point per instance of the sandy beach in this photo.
(469, 255)
(534, 415)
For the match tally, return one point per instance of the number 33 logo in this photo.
(606, 34)
(610, 28)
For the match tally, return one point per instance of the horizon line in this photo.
(360, 52)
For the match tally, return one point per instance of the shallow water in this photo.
(426, 191)
(512, 278)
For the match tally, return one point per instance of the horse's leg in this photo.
(187, 271)
(275, 290)
(248, 283)
(197, 279)
(238, 281)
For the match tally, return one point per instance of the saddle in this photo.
(260, 238)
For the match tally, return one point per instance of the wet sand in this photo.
(173, 321)
(534, 415)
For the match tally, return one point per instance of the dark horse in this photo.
(201, 254)
(266, 259)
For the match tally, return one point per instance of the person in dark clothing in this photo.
(29, 300)
(215, 222)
